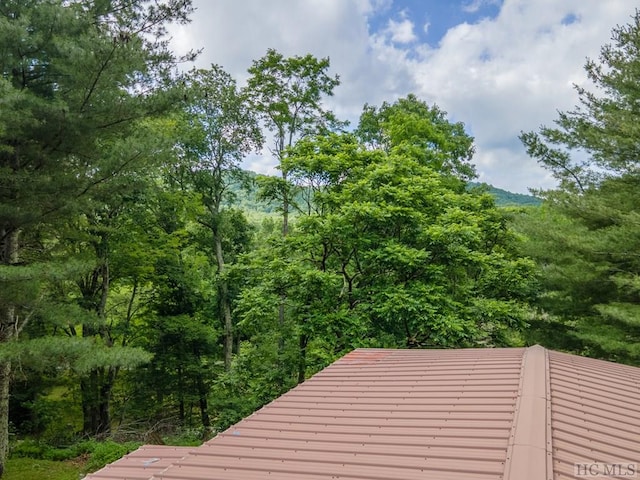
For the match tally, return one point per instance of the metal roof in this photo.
(595, 413)
(469, 414)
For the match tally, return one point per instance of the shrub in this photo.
(106, 452)
(43, 451)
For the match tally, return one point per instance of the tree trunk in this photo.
(5, 380)
(228, 325)
(283, 297)
(285, 215)
(225, 303)
(204, 406)
(9, 328)
(236, 345)
(96, 388)
(104, 407)
(285, 206)
(302, 360)
(96, 391)
(181, 405)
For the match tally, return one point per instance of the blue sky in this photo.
(433, 18)
(499, 66)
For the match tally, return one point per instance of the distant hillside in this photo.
(246, 196)
(507, 199)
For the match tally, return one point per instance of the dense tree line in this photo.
(137, 298)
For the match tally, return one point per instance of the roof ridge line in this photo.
(529, 450)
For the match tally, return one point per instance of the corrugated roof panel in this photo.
(346, 435)
(305, 468)
(376, 415)
(310, 471)
(475, 414)
(337, 428)
(595, 413)
(444, 450)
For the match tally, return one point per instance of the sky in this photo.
(501, 67)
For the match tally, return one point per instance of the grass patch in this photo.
(40, 450)
(31, 460)
(34, 469)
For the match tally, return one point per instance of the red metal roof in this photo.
(595, 413)
(471, 414)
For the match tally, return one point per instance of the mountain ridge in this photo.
(247, 198)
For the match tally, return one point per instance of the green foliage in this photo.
(385, 251)
(586, 239)
(82, 85)
(252, 381)
(81, 355)
(219, 127)
(433, 266)
(52, 414)
(99, 454)
(43, 86)
(410, 127)
(103, 453)
(588, 267)
(44, 451)
(287, 92)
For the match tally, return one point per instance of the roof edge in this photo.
(529, 450)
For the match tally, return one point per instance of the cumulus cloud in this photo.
(513, 73)
(402, 31)
(499, 75)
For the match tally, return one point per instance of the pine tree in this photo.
(76, 79)
(592, 287)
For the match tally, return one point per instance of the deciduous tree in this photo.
(387, 250)
(218, 129)
(288, 92)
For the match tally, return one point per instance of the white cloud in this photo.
(475, 5)
(513, 73)
(402, 31)
(499, 76)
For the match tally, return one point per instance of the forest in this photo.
(153, 291)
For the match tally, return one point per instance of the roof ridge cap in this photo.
(529, 450)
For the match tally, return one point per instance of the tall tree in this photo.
(593, 151)
(422, 260)
(219, 130)
(288, 93)
(411, 127)
(103, 236)
(76, 77)
(179, 327)
(388, 251)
